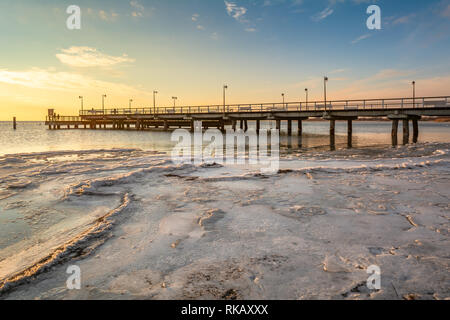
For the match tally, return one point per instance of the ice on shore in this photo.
(217, 232)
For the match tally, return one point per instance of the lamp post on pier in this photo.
(154, 101)
(103, 103)
(81, 99)
(174, 102)
(129, 103)
(414, 93)
(325, 80)
(283, 100)
(306, 93)
(225, 87)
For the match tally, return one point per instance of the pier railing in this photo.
(338, 105)
(56, 118)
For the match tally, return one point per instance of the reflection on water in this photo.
(34, 137)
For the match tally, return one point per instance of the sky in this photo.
(191, 48)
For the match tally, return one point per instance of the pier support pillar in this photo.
(415, 130)
(14, 123)
(332, 135)
(279, 125)
(245, 125)
(289, 123)
(233, 125)
(166, 126)
(192, 126)
(405, 132)
(258, 126)
(300, 128)
(349, 133)
(394, 132)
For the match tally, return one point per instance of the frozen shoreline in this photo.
(189, 232)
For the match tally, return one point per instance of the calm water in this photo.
(35, 137)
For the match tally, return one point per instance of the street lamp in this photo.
(306, 92)
(154, 101)
(414, 93)
(81, 99)
(283, 99)
(225, 87)
(103, 103)
(174, 102)
(325, 80)
(129, 103)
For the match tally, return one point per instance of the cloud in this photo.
(393, 87)
(317, 82)
(195, 17)
(138, 9)
(323, 14)
(403, 19)
(108, 16)
(89, 57)
(63, 81)
(338, 71)
(390, 74)
(363, 37)
(238, 13)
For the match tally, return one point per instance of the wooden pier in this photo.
(219, 116)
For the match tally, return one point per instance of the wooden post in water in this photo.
(349, 133)
(300, 133)
(258, 126)
(245, 125)
(279, 125)
(14, 123)
(332, 134)
(394, 133)
(415, 130)
(233, 125)
(405, 131)
(289, 123)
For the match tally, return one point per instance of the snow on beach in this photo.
(141, 227)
